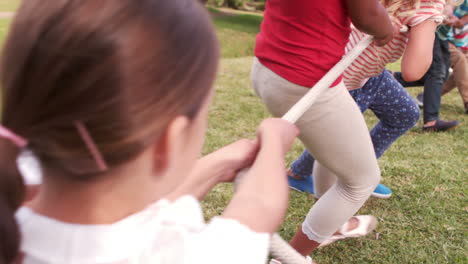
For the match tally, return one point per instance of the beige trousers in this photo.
(334, 131)
(459, 76)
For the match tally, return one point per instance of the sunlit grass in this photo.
(9, 5)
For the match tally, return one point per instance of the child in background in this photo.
(434, 79)
(113, 101)
(301, 40)
(452, 39)
(374, 88)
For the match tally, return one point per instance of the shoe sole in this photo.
(381, 196)
(448, 129)
(459, 124)
(371, 227)
(297, 190)
(376, 195)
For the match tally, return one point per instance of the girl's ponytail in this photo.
(12, 192)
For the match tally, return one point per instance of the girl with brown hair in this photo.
(112, 98)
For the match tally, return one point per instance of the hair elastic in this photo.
(93, 149)
(14, 138)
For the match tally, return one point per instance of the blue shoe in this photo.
(305, 185)
(382, 191)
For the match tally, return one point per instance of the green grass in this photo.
(426, 219)
(4, 25)
(237, 33)
(6, 6)
(9, 5)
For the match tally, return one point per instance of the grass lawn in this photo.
(426, 219)
(9, 5)
(4, 24)
(6, 6)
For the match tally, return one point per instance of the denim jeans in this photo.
(433, 80)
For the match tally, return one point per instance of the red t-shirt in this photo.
(301, 40)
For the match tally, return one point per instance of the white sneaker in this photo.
(367, 223)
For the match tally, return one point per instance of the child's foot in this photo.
(357, 226)
(307, 185)
(301, 185)
(440, 125)
(382, 192)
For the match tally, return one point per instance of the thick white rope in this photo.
(311, 96)
(327, 80)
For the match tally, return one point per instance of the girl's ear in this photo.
(168, 151)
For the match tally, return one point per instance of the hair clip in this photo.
(91, 145)
(14, 138)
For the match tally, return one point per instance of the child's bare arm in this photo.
(418, 54)
(261, 199)
(370, 17)
(218, 166)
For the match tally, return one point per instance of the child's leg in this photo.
(397, 112)
(448, 85)
(303, 165)
(324, 178)
(434, 80)
(338, 138)
(335, 131)
(392, 104)
(459, 77)
(399, 77)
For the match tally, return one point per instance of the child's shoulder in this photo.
(413, 14)
(131, 236)
(408, 8)
(164, 232)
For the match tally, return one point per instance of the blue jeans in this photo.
(390, 102)
(433, 80)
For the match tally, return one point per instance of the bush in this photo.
(236, 3)
(218, 2)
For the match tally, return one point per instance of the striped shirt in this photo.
(373, 60)
(458, 36)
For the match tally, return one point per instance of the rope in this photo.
(327, 80)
